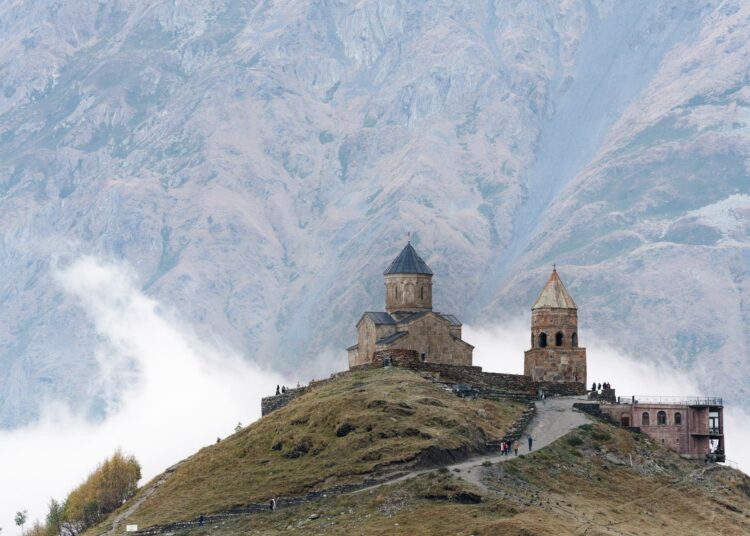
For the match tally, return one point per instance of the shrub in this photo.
(575, 441)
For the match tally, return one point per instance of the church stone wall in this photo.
(551, 321)
(408, 292)
(431, 336)
(556, 364)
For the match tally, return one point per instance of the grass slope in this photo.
(359, 424)
(581, 484)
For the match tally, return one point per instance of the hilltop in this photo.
(359, 426)
(329, 455)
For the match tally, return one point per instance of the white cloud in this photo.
(167, 395)
(500, 349)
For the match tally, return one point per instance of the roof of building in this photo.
(554, 294)
(408, 262)
(379, 318)
(391, 338)
(452, 319)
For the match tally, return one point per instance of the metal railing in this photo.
(671, 400)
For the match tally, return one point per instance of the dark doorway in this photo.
(625, 421)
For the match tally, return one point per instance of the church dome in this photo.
(408, 262)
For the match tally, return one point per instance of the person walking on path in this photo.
(531, 442)
(515, 447)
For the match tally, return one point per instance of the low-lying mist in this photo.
(167, 394)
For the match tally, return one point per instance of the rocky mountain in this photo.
(258, 164)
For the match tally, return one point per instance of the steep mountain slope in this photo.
(259, 163)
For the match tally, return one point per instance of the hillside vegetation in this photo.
(581, 484)
(356, 426)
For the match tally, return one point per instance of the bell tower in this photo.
(555, 354)
(408, 283)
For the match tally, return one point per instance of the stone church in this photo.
(409, 323)
(555, 355)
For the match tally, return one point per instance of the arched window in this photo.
(678, 418)
(645, 419)
(558, 338)
(661, 417)
(395, 293)
(542, 340)
(421, 293)
(574, 340)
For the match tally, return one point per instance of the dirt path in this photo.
(554, 418)
(119, 518)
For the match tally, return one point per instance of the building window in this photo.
(421, 293)
(542, 340)
(423, 357)
(395, 293)
(574, 339)
(661, 418)
(645, 419)
(678, 418)
(558, 338)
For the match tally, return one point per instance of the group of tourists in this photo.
(598, 389)
(281, 389)
(507, 446)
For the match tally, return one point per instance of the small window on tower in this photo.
(542, 340)
(574, 339)
(395, 293)
(558, 338)
(421, 293)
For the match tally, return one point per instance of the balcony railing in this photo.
(671, 400)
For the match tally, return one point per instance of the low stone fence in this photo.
(517, 429)
(272, 403)
(254, 508)
(595, 410)
(474, 376)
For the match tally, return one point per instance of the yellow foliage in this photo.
(112, 483)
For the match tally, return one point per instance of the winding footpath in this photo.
(554, 418)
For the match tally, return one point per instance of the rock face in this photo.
(257, 164)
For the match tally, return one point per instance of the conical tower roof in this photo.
(408, 262)
(554, 294)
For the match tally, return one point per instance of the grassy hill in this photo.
(583, 484)
(596, 480)
(355, 426)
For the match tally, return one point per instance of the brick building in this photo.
(409, 323)
(692, 427)
(555, 355)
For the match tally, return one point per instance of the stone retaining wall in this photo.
(272, 403)
(474, 376)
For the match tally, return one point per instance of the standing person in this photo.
(593, 386)
(600, 387)
(531, 442)
(278, 390)
(515, 447)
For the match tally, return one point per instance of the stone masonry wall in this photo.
(272, 403)
(474, 376)
(556, 364)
